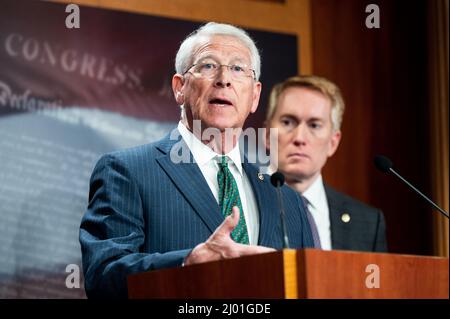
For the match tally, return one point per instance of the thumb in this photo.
(229, 223)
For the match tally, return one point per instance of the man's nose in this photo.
(301, 135)
(223, 77)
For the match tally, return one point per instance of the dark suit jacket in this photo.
(365, 231)
(146, 212)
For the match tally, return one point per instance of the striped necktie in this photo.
(312, 224)
(228, 198)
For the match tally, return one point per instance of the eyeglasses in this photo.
(209, 69)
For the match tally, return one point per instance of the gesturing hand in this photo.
(220, 245)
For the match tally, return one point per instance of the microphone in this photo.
(277, 180)
(385, 165)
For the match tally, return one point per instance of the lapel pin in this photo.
(345, 218)
(260, 176)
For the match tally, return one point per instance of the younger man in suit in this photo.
(308, 110)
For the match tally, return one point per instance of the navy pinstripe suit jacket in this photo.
(146, 212)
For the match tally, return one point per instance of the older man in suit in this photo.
(308, 111)
(149, 210)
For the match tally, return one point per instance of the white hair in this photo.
(184, 57)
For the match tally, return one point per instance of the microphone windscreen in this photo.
(382, 163)
(277, 179)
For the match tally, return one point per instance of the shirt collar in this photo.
(204, 154)
(315, 192)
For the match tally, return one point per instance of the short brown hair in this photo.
(316, 83)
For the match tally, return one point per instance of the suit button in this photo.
(345, 218)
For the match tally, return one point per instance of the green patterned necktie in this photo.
(228, 198)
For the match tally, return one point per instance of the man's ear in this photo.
(334, 142)
(177, 88)
(256, 95)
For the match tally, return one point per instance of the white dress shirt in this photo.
(318, 206)
(206, 160)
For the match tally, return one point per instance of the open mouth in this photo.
(298, 155)
(220, 101)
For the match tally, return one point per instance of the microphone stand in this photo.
(443, 212)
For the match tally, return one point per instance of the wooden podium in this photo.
(293, 274)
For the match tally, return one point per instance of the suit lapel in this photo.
(189, 180)
(261, 189)
(339, 230)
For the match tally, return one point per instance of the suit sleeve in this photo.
(380, 244)
(112, 233)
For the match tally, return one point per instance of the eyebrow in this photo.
(290, 116)
(209, 56)
(232, 60)
(315, 119)
(295, 117)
